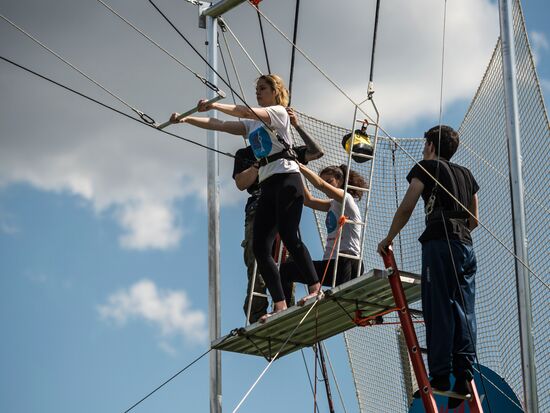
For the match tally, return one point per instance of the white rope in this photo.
(133, 26)
(308, 376)
(241, 46)
(233, 63)
(71, 65)
(542, 205)
(442, 68)
(274, 358)
(334, 376)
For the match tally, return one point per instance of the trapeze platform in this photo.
(366, 296)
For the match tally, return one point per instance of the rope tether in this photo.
(370, 91)
(257, 5)
(293, 55)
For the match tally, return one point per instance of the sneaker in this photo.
(441, 383)
(461, 387)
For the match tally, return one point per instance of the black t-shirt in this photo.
(244, 159)
(460, 182)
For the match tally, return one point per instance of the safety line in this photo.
(263, 37)
(543, 206)
(293, 55)
(334, 377)
(241, 46)
(434, 191)
(146, 118)
(113, 109)
(233, 66)
(376, 13)
(274, 358)
(308, 375)
(137, 29)
(169, 380)
(225, 69)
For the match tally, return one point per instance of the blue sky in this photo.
(103, 240)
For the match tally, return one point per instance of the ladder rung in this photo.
(362, 155)
(452, 394)
(358, 188)
(255, 294)
(353, 257)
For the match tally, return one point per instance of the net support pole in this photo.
(518, 209)
(213, 205)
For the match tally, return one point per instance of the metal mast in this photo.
(518, 209)
(212, 13)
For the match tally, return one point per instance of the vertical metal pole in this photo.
(518, 210)
(213, 228)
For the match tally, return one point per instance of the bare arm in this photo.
(237, 111)
(315, 203)
(473, 208)
(232, 127)
(331, 191)
(403, 213)
(246, 178)
(313, 149)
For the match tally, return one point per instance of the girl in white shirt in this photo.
(330, 181)
(282, 197)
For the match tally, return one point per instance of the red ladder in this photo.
(413, 348)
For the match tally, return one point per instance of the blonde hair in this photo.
(276, 83)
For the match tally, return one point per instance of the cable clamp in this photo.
(208, 84)
(145, 117)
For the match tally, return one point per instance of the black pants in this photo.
(290, 273)
(279, 210)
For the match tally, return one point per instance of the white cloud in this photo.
(170, 311)
(539, 44)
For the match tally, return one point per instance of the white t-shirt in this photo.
(351, 233)
(264, 142)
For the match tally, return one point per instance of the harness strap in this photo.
(286, 154)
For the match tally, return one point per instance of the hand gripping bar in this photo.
(220, 96)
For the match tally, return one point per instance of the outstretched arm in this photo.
(232, 127)
(313, 149)
(329, 190)
(403, 213)
(237, 111)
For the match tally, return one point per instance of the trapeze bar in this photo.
(221, 95)
(334, 314)
(221, 7)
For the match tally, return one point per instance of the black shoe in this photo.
(461, 387)
(441, 383)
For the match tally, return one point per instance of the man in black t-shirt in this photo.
(245, 174)
(448, 258)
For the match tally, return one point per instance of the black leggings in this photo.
(279, 210)
(290, 273)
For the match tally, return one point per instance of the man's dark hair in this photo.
(447, 146)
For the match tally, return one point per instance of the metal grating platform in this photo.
(334, 313)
